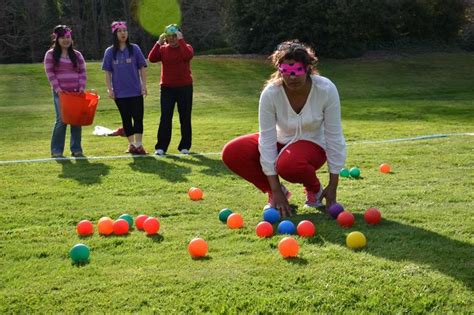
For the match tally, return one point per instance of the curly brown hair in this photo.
(294, 50)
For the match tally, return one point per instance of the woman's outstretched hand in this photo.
(281, 203)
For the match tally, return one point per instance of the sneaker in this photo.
(140, 150)
(159, 152)
(57, 155)
(77, 154)
(287, 193)
(184, 151)
(131, 149)
(118, 132)
(313, 200)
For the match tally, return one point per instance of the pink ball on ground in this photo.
(140, 220)
(345, 219)
(306, 228)
(264, 229)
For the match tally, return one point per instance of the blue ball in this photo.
(286, 227)
(271, 215)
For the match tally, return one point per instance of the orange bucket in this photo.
(78, 109)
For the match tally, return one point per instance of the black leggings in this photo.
(131, 108)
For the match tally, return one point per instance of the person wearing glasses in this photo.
(299, 130)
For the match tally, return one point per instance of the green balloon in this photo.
(344, 172)
(79, 253)
(128, 218)
(224, 214)
(355, 172)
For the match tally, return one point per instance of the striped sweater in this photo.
(64, 76)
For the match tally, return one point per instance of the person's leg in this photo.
(167, 101)
(124, 106)
(185, 104)
(75, 143)
(137, 117)
(242, 156)
(58, 136)
(299, 162)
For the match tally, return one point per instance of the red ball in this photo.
(85, 228)
(345, 219)
(264, 229)
(151, 226)
(306, 228)
(140, 220)
(372, 216)
(120, 227)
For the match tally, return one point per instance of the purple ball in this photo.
(335, 209)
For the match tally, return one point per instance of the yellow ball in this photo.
(356, 240)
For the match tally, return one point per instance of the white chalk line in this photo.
(118, 157)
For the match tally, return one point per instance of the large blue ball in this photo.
(286, 227)
(271, 215)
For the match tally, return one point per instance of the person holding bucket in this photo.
(176, 87)
(125, 76)
(66, 72)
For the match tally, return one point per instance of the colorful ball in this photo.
(120, 227)
(356, 240)
(224, 214)
(195, 193)
(85, 228)
(264, 229)
(79, 253)
(151, 226)
(271, 215)
(372, 216)
(105, 226)
(235, 221)
(345, 219)
(197, 247)
(286, 227)
(355, 172)
(140, 220)
(385, 168)
(335, 209)
(127, 217)
(288, 247)
(306, 228)
(344, 172)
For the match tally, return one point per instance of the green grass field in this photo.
(420, 259)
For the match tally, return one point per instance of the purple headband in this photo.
(65, 33)
(118, 25)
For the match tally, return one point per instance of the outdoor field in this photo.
(419, 259)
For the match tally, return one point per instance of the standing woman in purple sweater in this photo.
(66, 71)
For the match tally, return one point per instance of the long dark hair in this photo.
(295, 50)
(60, 31)
(116, 44)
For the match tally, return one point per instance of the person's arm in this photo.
(335, 143)
(143, 80)
(141, 64)
(81, 63)
(155, 53)
(108, 68)
(108, 82)
(187, 51)
(50, 74)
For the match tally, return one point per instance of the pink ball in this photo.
(140, 220)
(151, 226)
(345, 219)
(372, 216)
(264, 229)
(306, 228)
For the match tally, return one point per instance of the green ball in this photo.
(79, 253)
(224, 214)
(127, 217)
(344, 172)
(355, 172)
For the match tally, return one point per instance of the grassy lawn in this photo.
(420, 259)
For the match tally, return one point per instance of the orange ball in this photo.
(235, 221)
(197, 247)
(105, 226)
(151, 226)
(385, 168)
(121, 227)
(288, 247)
(85, 228)
(195, 193)
(140, 220)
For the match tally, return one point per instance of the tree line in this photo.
(336, 28)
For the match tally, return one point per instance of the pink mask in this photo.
(119, 25)
(296, 69)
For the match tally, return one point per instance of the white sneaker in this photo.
(184, 151)
(313, 200)
(159, 152)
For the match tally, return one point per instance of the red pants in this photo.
(296, 164)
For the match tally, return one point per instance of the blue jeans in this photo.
(59, 132)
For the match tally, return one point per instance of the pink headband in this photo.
(118, 25)
(296, 69)
(65, 33)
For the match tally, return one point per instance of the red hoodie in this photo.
(175, 63)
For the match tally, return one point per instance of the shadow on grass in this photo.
(83, 171)
(213, 167)
(160, 167)
(400, 242)
(157, 238)
(205, 258)
(296, 261)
